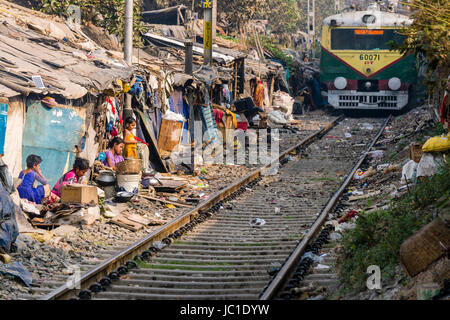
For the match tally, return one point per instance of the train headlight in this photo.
(340, 83)
(394, 83)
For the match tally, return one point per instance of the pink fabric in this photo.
(69, 178)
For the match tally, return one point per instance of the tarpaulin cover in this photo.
(16, 269)
(3, 117)
(8, 225)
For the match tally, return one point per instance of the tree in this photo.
(428, 36)
(108, 14)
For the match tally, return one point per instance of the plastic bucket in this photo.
(129, 182)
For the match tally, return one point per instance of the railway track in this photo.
(212, 251)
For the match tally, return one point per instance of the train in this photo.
(357, 66)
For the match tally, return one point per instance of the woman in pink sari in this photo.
(80, 167)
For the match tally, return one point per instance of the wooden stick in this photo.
(166, 201)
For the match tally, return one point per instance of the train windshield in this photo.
(364, 39)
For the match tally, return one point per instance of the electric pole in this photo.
(337, 6)
(128, 50)
(311, 27)
(207, 6)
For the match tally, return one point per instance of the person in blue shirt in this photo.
(28, 176)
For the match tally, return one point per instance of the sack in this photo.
(5, 178)
(409, 172)
(428, 165)
(436, 144)
(8, 225)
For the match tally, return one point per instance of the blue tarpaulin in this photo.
(8, 225)
(52, 133)
(3, 118)
(17, 270)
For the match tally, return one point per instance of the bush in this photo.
(377, 236)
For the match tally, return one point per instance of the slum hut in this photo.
(55, 84)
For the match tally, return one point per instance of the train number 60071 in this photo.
(369, 57)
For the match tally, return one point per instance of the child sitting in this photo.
(80, 167)
(28, 177)
(114, 154)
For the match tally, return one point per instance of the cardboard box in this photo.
(415, 152)
(79, 193)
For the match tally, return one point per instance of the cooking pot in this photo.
(123, 196)
(106, 178)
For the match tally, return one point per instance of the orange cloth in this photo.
(130, 150)
(259, 95)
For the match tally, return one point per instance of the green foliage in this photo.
(377, 237)
(108, 14)
(227, 38)
(269, 44)
(428, 37)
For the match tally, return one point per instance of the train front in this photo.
(357, 65)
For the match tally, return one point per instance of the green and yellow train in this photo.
(358, 67)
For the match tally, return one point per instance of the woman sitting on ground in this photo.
(114, 153)
(80, 167)
(29, 176)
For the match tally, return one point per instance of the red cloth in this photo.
(242, 125)
(443, 108)
(218, 114)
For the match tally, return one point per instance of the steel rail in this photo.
(288, 268)
(94, 275)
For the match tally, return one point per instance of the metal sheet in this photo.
(52, 133)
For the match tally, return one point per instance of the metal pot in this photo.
(106, 178)
(123, 196)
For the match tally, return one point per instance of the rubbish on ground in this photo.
(29, 207)
(277, 117)
(277, 210)
(409, 172)
(424, 247)
(65, 230)
(170, 206)
(100, 193)
(17, 270)
(313, 257)
(356, 193)
(347, 135)
(321, 267)
(173, 203)
(158, 245)
(335, 236)
(5, 258)
(437, 144)
(348, 216)
(376, 154)
(364, 196)
(273, 268)
(40, 236)
(383, 166)
(360, 175)
(367, 126)
(257, 222)
(429, 164)
(345, 226)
